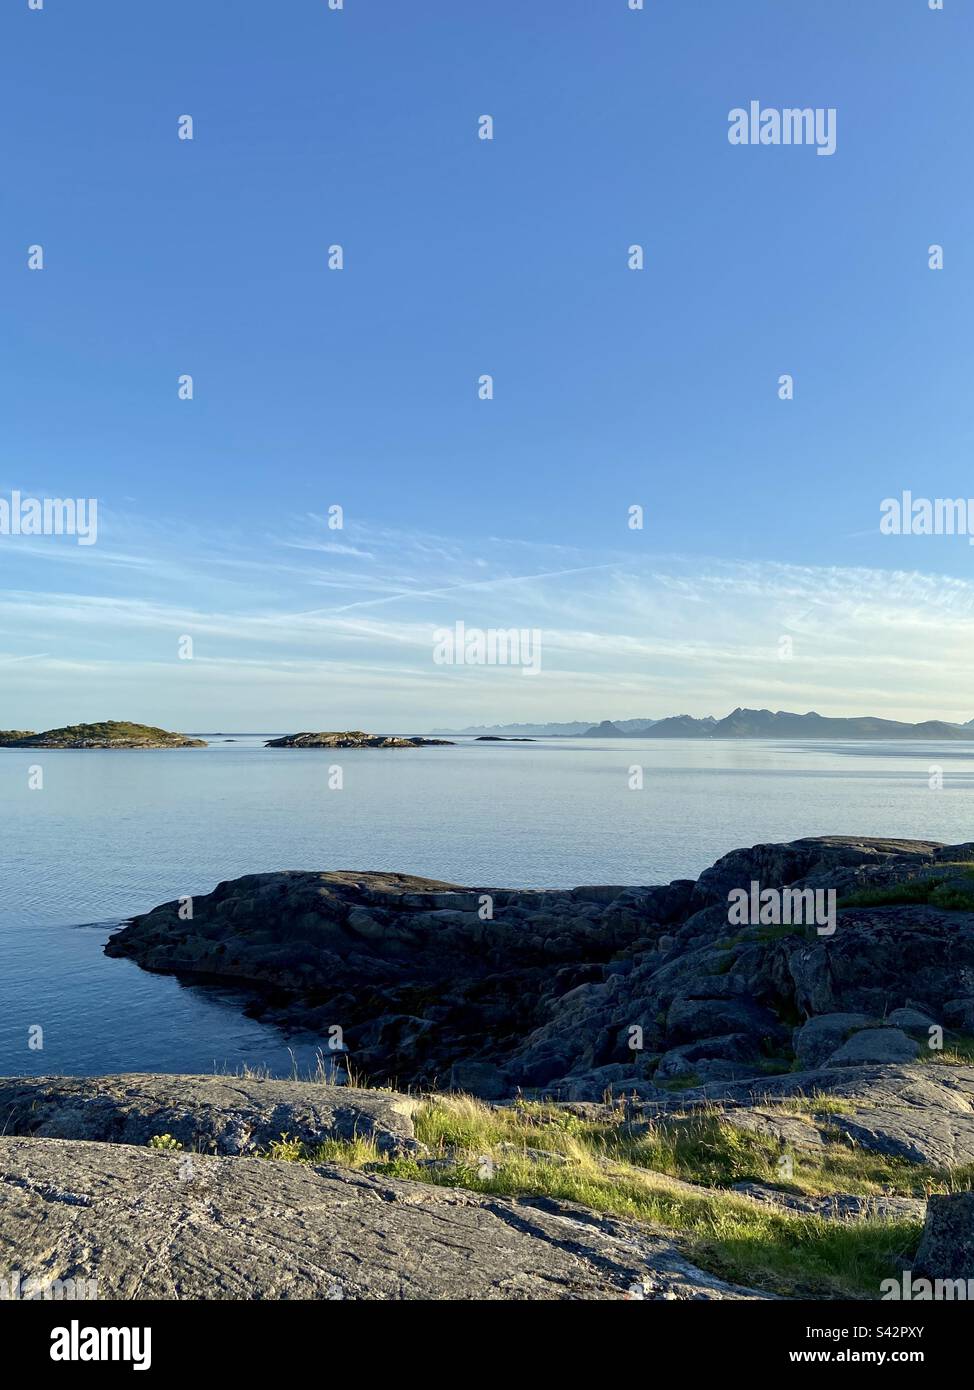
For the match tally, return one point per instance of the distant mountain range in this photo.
(742, 723)
(765, 723)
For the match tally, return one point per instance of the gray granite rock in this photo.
(840, 1206)
(148, 1225)
(728, 1058)
(817, 1039)
(947, 1245)
(922, 1112)
(690, 1019)
(875, 1045)
(214, 1114)
(912, 1021)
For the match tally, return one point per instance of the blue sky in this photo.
(462, 257)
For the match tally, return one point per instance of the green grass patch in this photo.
(742, 1240)
(958, 1052)
(949, 893)
(683, 1082)
(643, 1172)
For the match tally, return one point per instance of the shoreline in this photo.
(615, 1072)
(501, 990)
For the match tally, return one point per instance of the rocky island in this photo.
(354, 738)
(112, 733)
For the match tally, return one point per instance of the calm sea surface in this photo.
(115, 833)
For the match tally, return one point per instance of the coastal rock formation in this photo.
(113, 733)
(646, 991)
(156, 1225)
(418, 973)
(354, 738)
(10, 737)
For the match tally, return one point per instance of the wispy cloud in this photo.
(662, 635)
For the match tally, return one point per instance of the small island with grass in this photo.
(111, 733)
(354, 738)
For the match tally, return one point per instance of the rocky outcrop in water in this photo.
(568, 992)
(354, 738)
(421, 976)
